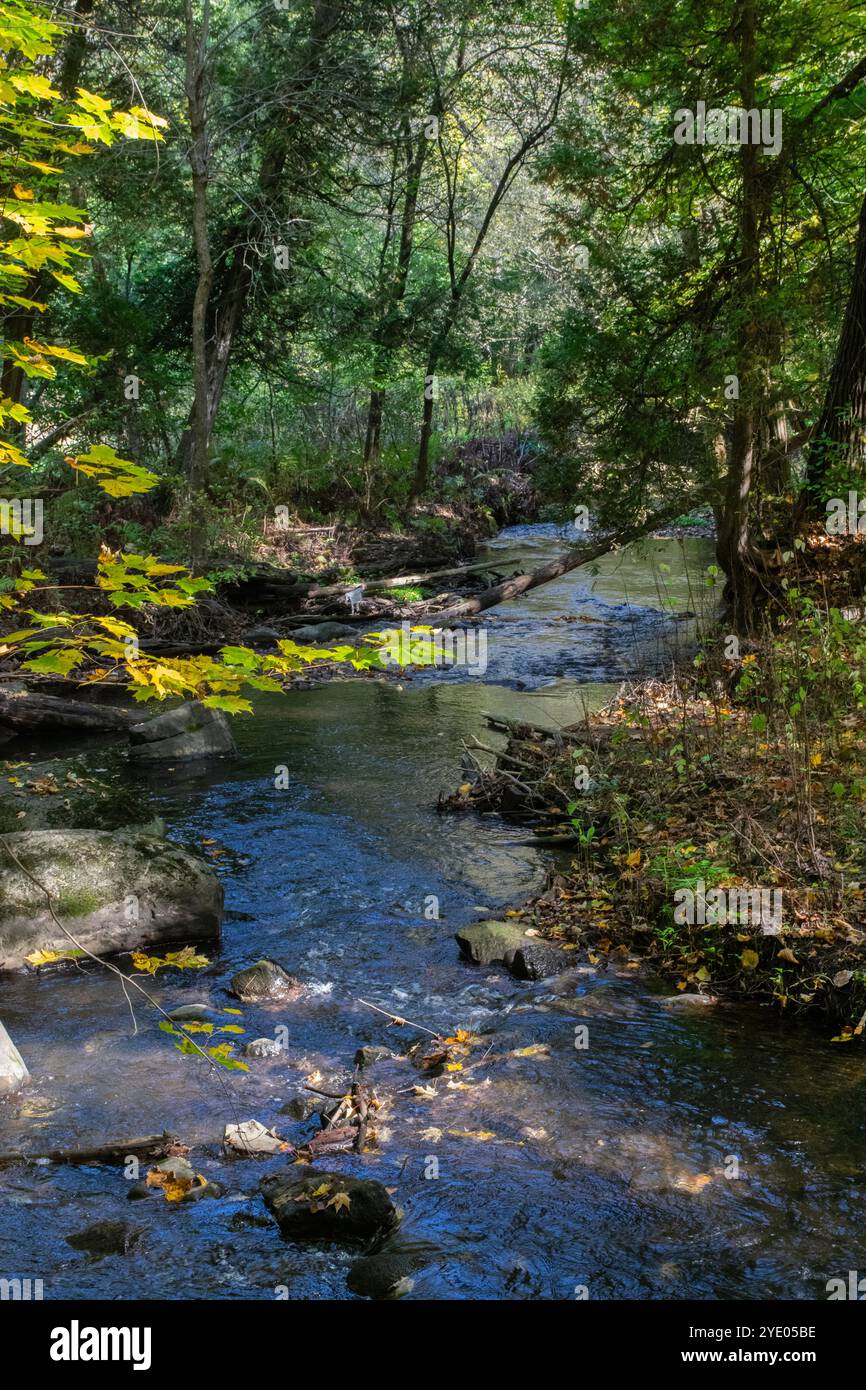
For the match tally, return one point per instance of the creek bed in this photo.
(606, 1167)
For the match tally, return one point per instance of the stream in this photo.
(607, 1168)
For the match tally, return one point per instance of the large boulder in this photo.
(192, 730)
(113, 891)
(13, 1072)
(485, 942)
(317, 1205)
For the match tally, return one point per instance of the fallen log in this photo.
(145, 1149)
(28, 710)
(581, 554)
(518, 728)
(401, 581)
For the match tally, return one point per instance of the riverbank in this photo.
(717, 821)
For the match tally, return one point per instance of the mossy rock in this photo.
(113, 891)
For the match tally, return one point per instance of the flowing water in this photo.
(608, 1168)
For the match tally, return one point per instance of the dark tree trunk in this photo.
(196, 94)
(839, 433)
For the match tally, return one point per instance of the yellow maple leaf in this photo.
(174, 1187)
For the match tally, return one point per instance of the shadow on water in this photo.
(607, 1167)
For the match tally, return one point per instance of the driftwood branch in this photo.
(146, 1149)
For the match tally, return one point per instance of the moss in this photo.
(78, 904)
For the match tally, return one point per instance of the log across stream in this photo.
(558, 1166)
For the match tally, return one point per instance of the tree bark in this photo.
(27, 710)
(224, 319)
(196, 95)
(459, 282)
(839, 433)
(733, 547)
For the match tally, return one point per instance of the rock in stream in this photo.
(114, 891)
(13, 1072)
(190, 731)
(346, 1208)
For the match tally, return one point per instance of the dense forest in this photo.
(379, 371)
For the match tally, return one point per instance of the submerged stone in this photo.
(262, 1047)
(387, 1274)
(106, 1238)
(264, 980)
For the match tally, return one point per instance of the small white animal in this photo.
(353, 597)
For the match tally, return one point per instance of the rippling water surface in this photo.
(605, 1167)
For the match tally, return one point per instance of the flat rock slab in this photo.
(13, 1072)
(190, 731)
(114, 891)
(486, 942)
(346, 1208)
(62, 794)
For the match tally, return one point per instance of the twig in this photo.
(396, 1019)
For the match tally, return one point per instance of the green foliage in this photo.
(38, 131)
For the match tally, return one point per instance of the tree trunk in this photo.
(390, 330)
(373, 437)
(733, 546)
(196, 95)
(839, 434)
(28, 710)
(580, 554)
(225, 318)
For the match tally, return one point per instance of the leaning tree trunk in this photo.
(581, 554)
(839, 433)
